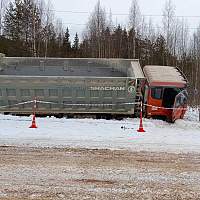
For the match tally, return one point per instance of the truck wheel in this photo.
(170, 120)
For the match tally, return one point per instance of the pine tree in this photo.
(66, 44)
(51, 51)
(13, 30)
(117, 41)
(131, 43)
(107, 42)
(75, 46)
(12, 22)
(124, 48)
(22, 23)
(160, 51)
(8, 21)
(59, 41)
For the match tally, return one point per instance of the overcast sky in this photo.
(148, 7)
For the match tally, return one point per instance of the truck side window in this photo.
(156, 93)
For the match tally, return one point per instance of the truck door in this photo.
(154, 101)
(180, 105)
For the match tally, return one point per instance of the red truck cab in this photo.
(165, 92)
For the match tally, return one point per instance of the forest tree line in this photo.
(30, 28)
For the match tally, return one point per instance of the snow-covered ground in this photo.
(183, 136)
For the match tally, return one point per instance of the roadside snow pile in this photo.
(191, 120)
(192, 114)
(183, 136)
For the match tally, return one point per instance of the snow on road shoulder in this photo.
(183, 136)
(192, 114)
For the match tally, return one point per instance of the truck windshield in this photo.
(169, 96)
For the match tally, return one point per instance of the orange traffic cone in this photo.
(141, 129)
(33, 125)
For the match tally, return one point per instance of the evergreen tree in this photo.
(13, 29)
(59, 41)
(160, 51)
(12, 22)
(75, 46)
(52, 45)
(66, 44)
(107, 43)
(85, 51)
(131, 43)
(117, 41)
(22, 23)
(124, 48)
(8, 21)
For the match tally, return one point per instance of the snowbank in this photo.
(183, 136)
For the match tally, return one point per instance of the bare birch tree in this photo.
(183, 42)
(134, 23)
(95, 28)
(48, 22)
(196, 71)
(168, 24)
